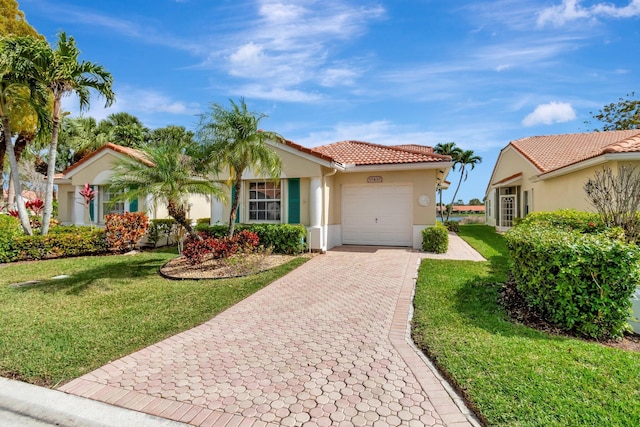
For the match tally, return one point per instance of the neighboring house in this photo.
(545, 173)
(467, 209)
(349, 192)
(96, 169)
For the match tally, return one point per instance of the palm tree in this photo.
(20, 58)
(447, 149)
(64, 75)
(234, 140)
(124, 129)
(171, 171)
(464, 159)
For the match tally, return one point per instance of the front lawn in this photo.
(109, 306)
(514, 375)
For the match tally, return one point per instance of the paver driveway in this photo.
(324, 345)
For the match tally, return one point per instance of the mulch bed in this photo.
(520, 312)
(240, 265)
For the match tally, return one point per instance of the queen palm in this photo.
(19, 64)
(234, 141)
(464, 159)
(63, 74)
(171, 169)
(447, 149)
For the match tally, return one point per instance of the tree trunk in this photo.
(178, 213)
(3, 149)
(51, 169)
(234, 204)
(456, 193)
(22, 210)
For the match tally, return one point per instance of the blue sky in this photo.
(480, 73)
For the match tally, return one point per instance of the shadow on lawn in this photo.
(115, 268)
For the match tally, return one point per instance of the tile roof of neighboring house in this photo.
(552, 152)
(131, 152)
(415, 147)
(364, 153)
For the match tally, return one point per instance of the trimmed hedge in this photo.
(566, 219)
(74, 241)
(435, 239)
(282, 238)
(9, 229)
(575, 278)
(452, 225)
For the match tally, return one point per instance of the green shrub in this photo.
(203, 221)
(566, 219)
(161, 228)
(9, 229)
(61, 242)
(435, 239)
(582, 282)
(282, 238)
(452, 226)
(124, 231)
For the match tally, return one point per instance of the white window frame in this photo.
(280, 200)
(102, 195)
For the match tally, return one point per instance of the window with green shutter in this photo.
(294, 200)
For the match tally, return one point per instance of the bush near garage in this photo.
(575, 273)
(287, 239)
(435, 239)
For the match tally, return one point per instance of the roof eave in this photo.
(594, 161)
(445, 166)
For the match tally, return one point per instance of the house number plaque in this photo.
(374, 179)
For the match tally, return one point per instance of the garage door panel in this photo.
(377, 215)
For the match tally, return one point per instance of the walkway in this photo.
(325, 345)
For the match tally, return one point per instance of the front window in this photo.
(264, 201)
(107, 208)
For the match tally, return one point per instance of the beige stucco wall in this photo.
(66, 193)
(422, 182)
(90, 170)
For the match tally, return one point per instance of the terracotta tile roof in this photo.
(307, 150)
(552, 152)
(364, 153)
(415, 147)
(131, 152)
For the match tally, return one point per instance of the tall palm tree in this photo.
(63, 74)
(20, 58)
(171, 171)
(235, 141)
(124, 129)
(464, 159)
(447, 149)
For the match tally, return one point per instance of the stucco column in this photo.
(315, 214)
(78, 209)
(216, 211)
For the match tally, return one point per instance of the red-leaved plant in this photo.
(195, 251)
(124, 231)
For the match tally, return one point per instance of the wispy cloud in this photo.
(547, 114)
(572, 10)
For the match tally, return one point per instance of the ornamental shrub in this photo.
(435, 239)
(160, 229)
(452, 225)
(9, 229)
(124, 231)
(282, 238)
(566, 219)
(196, 250)
(582, 282)
(67, 242)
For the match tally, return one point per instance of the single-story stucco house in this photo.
(96, 169)
(546, 173)
(349, 192)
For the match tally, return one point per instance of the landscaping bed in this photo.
(510, 373)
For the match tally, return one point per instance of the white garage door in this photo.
(377, 215)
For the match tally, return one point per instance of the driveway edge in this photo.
(447, 402)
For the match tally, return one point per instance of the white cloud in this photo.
(258, 91)
(553, 112)
(571, 10)
(140, 102)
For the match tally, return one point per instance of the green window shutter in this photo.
(133, 204)
(233, 196)
(92, 209)
(294, 200)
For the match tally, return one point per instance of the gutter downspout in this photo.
(323, 219)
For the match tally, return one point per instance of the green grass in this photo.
(514, 375)
(109, 307)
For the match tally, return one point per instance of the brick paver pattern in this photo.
(315, 348)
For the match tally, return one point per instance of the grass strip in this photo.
(108, 307)
(514, 375)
